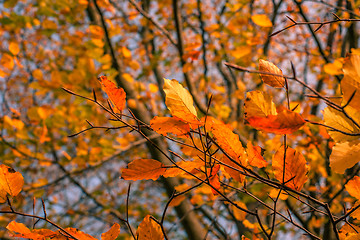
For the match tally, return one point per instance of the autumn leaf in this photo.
(116, 95)
(11, 182)
(149, 230)
(21, 231)
(271, 80)
(339, 121)
(180, 102)
(112, 233)
(254, 156)
(344, 155)
(214, 179)
(259, 105)
(295, 168)
(350, 83)
(261, 20)
(285, 122)
(143, 169)
(353, 187)
(174, 125)
(188, 166)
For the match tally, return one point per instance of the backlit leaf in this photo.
(11, 182)
(14, 48)
(285, 122)
(274, 81)
(338, 120)
(149, 230)
(295, 168)
(351, 81)
(112, 233)
(344, 155)
(261, 20)
(140, 169)
(254, 156)
(117, 95)
(186, 165)
(214, 179)
(258, 104)
(174, 125)
(353, 187)
(180, 102)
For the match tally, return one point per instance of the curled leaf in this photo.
(271, 80)
(117, 95)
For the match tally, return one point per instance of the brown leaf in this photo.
(149, 230)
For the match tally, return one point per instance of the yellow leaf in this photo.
(258, 105)
(49, 24)
(128, 77)
(174, 125)
(112, 233)
(239, 214)
(275, 192)
(11, 182)
(149, 230)
(295, 168)
(37, 74)
(344, 155)
(117, 95)
(353, 187)
(241, 51)
(179, 101)
(274, 81)
(334, 68)
(125, 52)
(338, 120)
(261, 20)
(140, 169)
(14, 48)
(351, 81)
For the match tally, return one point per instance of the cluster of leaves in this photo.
(236, 158)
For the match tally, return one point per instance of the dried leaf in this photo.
(180, 102)
(285, 122)
(112, 233)
(187, 165)
(274, 81)
(11, 182)
(344, 155)
(214, 179)
(174, 125)
(140, 169)
(353, 187)
(117, 95)
(295, 168)
(149, 230)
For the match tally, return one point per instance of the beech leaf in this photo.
(261, 20)
(353, 187)
(149, 230)
(140, 169)
(271, 80)
(344, 155)
(174, 125)
(295, 168)
(180, 102)
(254, 156)
(11, 182)
(351, 81)
(258, 104)
(117, 95)
(112, 233)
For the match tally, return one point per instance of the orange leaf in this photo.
(18, 228)
(231, 170)
(112, 233)
(117, 95)
(295, 168)
(258, 104)
(149, 230)
(214, 179)
(353, 187)
(285, 122)
(180, 102)
(254, 156)
(274, 81)
(11, 182)
(226, 139)
(350, 84)
(77, 233)
(143, 169)
(187, 165)
(165, 125)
